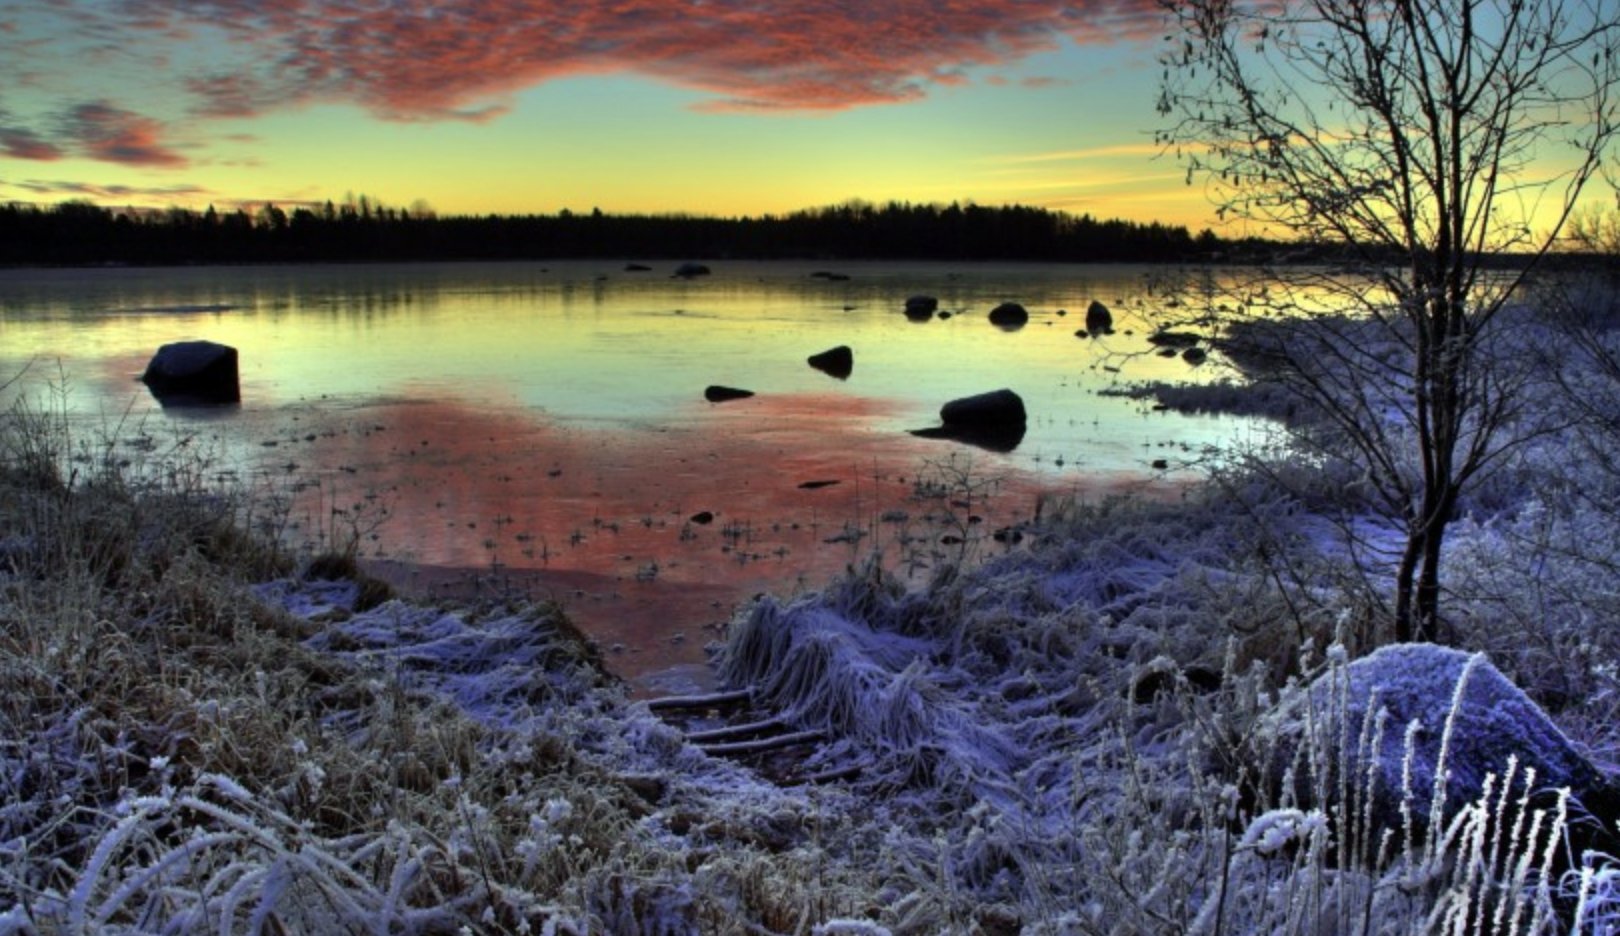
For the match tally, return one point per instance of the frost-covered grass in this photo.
(1086, 737)
(1146, 718)
(184, 749)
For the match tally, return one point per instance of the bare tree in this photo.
(1427, 140)
(1595, 231)
(1585, 306)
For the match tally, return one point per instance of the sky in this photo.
(713, 107)
(720, 107)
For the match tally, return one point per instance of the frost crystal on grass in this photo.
(1272, 831)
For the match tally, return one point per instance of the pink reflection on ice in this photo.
(651, 536)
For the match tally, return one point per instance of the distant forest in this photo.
(78, 233)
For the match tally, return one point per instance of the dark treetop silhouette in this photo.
(78, 233)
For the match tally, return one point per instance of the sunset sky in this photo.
(704, 106)
(721, 107)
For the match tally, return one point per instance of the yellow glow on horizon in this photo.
(1136, 150)
(542, 160)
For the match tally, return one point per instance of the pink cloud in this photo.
(112, 134)
(67, 189)
(427, 59)
(225, 95)
(18, 143)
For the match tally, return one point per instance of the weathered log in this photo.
(733, 732)
(709, 700)
(762, 745)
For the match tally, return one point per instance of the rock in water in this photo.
(996, 408)
(1173, 339)
(718, 394)
(835, 362)
(921, 308)
(194, 373)
(1009, 315)
(691, 270)
(994, 420)
(1099, 321)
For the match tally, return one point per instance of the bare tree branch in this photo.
(1427, 140)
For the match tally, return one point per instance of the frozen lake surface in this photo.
(544, 426)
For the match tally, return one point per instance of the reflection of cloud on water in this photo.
(112, 381)
(605, 514)
(842, 419)
(594, 494)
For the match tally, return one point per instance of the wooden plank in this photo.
(761, 745)
(736, 732)
(711, 700)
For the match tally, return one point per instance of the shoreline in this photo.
(1101, 690)
(606, 609)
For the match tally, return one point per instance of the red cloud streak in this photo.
(22, 144)
(415, 59)
(112, 134)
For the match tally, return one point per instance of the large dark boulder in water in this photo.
(691, 270)
(1469, 719)
(995, 421)
(190, 373)
(1099, 321)
(996, 408)
(835, 362)
(1009, 315)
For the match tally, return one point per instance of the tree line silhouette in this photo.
(81, 233)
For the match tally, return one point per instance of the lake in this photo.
(541, 428)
